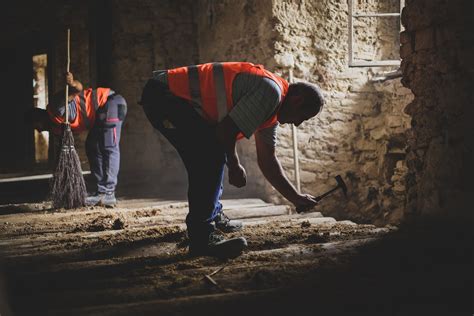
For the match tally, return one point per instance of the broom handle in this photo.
(67, 70)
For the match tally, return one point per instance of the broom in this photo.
(68, 189)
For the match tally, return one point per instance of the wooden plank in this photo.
(33, 177)
(236, 212)
(273, 210)
(152, 202)
(247, 206)
(291, 221)
(238, 202)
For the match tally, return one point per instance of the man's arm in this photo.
(57, 101)
(226, 133)
(258, 98)
(273, 172)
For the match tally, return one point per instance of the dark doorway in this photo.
(16, 138)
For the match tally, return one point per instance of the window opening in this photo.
(40, 100)
(355, 58)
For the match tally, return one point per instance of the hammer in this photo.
(340, 185)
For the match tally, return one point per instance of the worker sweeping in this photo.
(203, 110)
(102, 112)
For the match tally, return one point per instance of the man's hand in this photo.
(75, 85)
(70, 79)
(304, 202)
(237, 175)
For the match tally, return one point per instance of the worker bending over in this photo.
(102, 112)
(203, 110)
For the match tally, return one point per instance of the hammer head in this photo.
(341, 184)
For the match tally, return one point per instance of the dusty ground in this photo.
(133, 260)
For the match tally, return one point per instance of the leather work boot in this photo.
(219, 247)
(227, 225)
(103, 199)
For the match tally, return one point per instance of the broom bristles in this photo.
(68, 189)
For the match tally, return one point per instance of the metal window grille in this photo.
(353, 15)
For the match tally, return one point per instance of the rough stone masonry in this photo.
(437, 51)
(361, 132)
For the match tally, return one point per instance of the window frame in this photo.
(371, 63)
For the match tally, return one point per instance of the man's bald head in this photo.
(302, 102)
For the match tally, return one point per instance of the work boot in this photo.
(219, 247)
(227, 225)
(94, 198)
(101, 198)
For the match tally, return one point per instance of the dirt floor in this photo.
(132, 260)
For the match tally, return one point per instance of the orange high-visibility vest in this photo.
(87, 102)
(209, 86)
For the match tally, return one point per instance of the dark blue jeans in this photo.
(102, 143)
(196, 143)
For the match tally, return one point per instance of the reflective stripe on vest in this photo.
(221, 96)
(209, 87)
(219, 87)
(195, 88)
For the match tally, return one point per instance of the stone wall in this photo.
(146, 36)
(239, 31)
(437, 51)
(360, 133)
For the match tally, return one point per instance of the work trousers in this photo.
(102, 143)
(196, 143)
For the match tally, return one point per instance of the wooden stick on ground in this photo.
(209, 278)
(218, 270)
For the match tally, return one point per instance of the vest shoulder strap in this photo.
(95, 101)
(83, 118)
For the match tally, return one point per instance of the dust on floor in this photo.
(133, 259)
